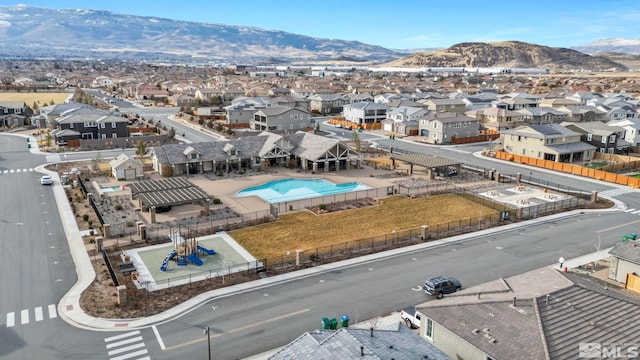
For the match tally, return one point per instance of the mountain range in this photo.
(28, 32)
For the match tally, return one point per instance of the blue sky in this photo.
(400, 24)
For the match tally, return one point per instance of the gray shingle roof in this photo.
(628, 250)
(345, 343)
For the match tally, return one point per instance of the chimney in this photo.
(514, 301)
(547, 300)
(361, 350)
(371, 332)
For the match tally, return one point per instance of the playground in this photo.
(186, 260)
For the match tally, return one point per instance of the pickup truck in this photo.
(411, 317)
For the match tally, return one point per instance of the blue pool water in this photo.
(295, 189)
(111, 188)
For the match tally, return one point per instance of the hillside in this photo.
(508, 54)
(29, 31)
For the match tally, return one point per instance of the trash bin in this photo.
(326, 324)
(219, 227)
(333, 324)
(344, 321)
(633, 236)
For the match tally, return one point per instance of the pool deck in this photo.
(226, 189)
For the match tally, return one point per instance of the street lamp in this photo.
(206, 331)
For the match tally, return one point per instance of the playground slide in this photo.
(205, 250)
(166, 260)
(194, 259)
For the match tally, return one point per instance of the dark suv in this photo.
(439, 286)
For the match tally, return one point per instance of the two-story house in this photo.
(552, 142)
(364, 114)
(403, 120)
(542, 115)
(13, 113)
(632, 130)
(496, 119)
(607, 139)
(440, 128)
(326, 104)
(450, 105)
(88, 126)
(283, 118)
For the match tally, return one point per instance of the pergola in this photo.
(166, 192)
(429, 162)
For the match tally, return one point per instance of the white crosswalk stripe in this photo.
(16, 171)
(129, 345)
(23, 317)
(616, 192)
(630, 210)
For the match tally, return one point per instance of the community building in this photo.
(304, 150)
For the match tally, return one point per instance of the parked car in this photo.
(440, 285)
(411, 317)
(46, 180)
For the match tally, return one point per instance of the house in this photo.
(126, 168)
(311, 152)
(607, 139)
(13, 107)
(326, 104)
(403, 120)
(449, 105)
(92, 125)
(181, 100)
(625, 264)
(538, 315)
(516, 101)
(440, 128)
(240, 112)
(393, 342)
(365, 114)
(552, 142)
(542, 115)
(281, 118)
(495, 118)
(632, 130)
(581, 113)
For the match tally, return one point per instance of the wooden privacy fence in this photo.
(633, 283)
(571, 169)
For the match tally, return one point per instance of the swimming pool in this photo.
(295, 189)
(111, 188)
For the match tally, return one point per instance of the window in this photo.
(589, 137)
(524, 151)
(612, 139)
(115, 136)
(428, 330)
(113, 125)
(602, 150)
(603, 139)
(291, 126)
(101, 125)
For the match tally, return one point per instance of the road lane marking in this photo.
(24, 316)
(11, 319)
(38, 314)
(160, 342)
(617, 227)
(52, 311)
(249, 326)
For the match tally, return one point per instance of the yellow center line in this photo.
(617, 227)
(204, 338)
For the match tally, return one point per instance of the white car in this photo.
(46, 180)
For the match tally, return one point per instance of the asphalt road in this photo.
(36, 270)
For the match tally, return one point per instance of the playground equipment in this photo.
(184, 251)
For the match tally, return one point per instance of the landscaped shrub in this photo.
(217, 201)
(85, 217)
(118, 207)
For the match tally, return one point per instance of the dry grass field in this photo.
(30, 97)
(305, 230)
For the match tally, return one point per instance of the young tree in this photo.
(141, 149)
